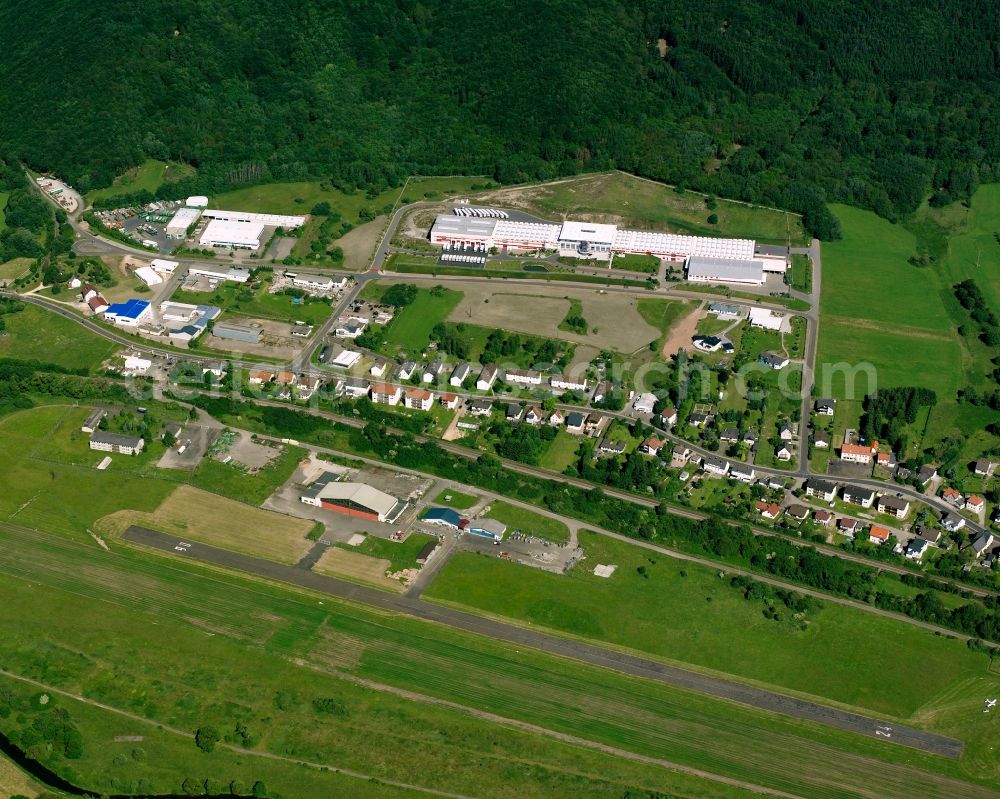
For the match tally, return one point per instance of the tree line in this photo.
(787, 104)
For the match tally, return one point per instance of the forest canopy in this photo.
(871, 102)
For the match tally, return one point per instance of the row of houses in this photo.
(305, 385)
(887, 504)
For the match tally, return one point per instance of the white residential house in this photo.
(783, 453)
(487, 377)
(717, 466)
(460, 374)
(523, 377)
(822, 489)
(379, 368)
(566, 383)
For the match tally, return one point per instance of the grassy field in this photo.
(455, 499)
(111, 650)
(411, 329)
(299, 198)
(211, 519)
(35, 333)
(349, 564)
(528, 522)
(18, 267)
(878, 309)
(4, 196)
(259, 303)
(148, 176)
(684, 612)
(51, 483)
(561, 452)
(662, 314)
(627, 200)
(801, 273)
(399, 554)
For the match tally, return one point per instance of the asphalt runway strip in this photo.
(887, 731)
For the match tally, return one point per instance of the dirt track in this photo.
(588, 653)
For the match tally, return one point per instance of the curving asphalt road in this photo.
(577, 650)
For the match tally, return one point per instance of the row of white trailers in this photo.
(482, 213)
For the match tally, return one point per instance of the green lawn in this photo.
(36, 333)
(561, 452)
(637, 263)
(400, 554)
(456, 499)
(645, 204)
(230, 480)
(520, 519)
(685, 612)
(410, 330)
(800, 273)
(273, 652)
(239, 300)
(16, 268)
(148, 176)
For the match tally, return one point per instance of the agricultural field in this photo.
(238, 300)
(529, 522)
(148, 176)
(630, 201)
(683, 612)
(211, 519)
(614, 319)
(297, 696)
(410, 329)
(37, 334)
(15, 782)
(879, 309)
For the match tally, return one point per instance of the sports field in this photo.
(526, 521)
(211, 519)
(628, 200)
(688, 613)
(37, 334)
(206, 676)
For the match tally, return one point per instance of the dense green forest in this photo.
(870, 102)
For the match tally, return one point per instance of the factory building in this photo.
(234, 332)
(265, 220)
(232, 234)
(351, 499)
(701, 269)
(177, 227)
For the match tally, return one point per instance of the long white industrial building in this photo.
(594, 240)
(267, 220)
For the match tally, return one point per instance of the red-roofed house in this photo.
(953, 497)
(975, 503)
(878, 535)
(449, 401)
(419, 398)
(768, 510)
(652, 446)
(852, 453)
(823, 517)
(386, 393)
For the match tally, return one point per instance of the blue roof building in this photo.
(446, 517)
(130, 312)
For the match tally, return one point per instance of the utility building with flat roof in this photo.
(701, 269)
(234, 332)
(232, 233)
(177, 227)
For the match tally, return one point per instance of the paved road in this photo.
(520, 636)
